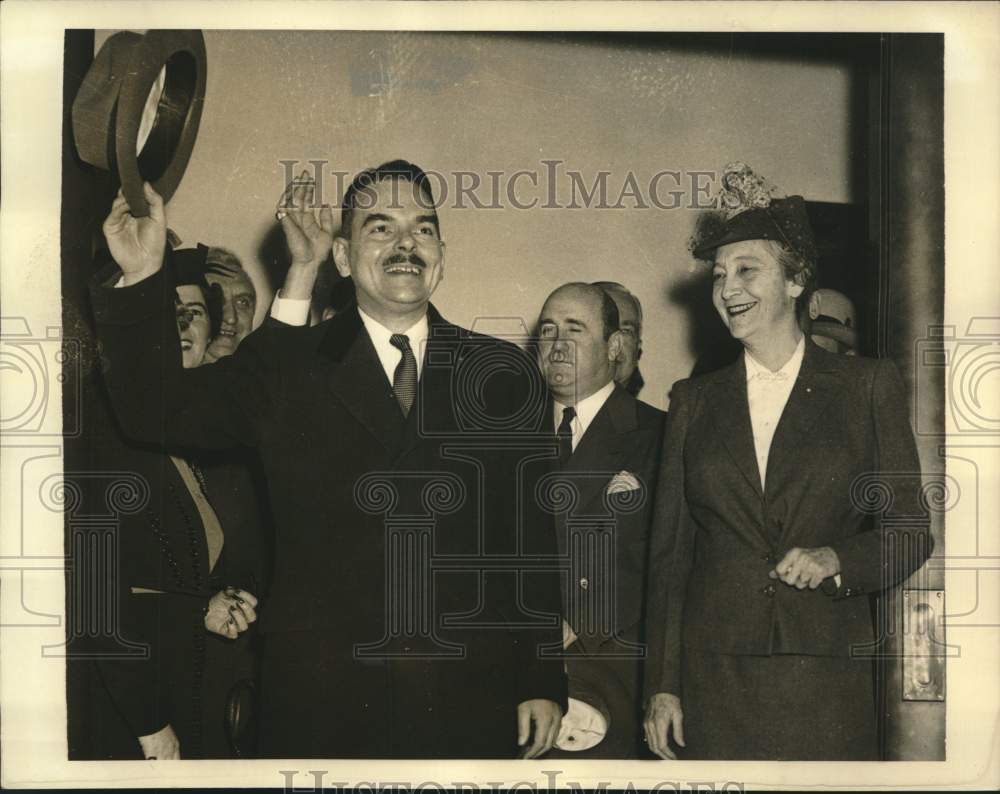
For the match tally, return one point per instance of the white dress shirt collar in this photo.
(586, 410)
(388, 354)
(790, 369)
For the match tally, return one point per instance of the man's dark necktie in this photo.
(404, 379)
(565, 435)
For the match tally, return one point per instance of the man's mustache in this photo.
(405, 259)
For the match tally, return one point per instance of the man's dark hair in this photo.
(613, 287)
(395, 169)
(223, 262)
(609, 313)
(610, 319)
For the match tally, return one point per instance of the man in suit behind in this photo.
(387, 435)
(609, 455)
(627, 371)
(237, 298)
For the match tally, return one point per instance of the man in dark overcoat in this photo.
(409, 594)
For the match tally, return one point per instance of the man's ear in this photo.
(340, 257)
(441, 265)
(794, 290)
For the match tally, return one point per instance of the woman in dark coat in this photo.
(763, 549)
(186, 565)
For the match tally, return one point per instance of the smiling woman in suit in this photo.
(762, 553)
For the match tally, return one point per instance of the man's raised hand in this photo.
(137, 244)
(309, 242)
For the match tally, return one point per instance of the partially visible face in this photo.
(573, 354)
(193, 325)
(239, 302)
(631, 336)
(750, 292)
(394, 255)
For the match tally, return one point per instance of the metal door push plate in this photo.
(924, 649)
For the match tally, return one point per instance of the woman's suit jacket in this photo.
(842, 460)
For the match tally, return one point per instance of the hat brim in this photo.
(836, 331)
(165, 155)
(93, 111)
(785, 221)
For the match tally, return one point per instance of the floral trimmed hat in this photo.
(750, 211)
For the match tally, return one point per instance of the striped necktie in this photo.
(404, 379)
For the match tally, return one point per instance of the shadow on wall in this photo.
(272, 253)
(708, 341)
(332, 291)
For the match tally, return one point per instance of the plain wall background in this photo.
(498, 102)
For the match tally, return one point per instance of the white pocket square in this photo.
(623, 481)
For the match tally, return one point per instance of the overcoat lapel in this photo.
(731, 413)
(359, 381)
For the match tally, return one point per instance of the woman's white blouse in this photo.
(767, 394)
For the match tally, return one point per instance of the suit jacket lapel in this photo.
(358, 379)
(809, 397)
(731, 412)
